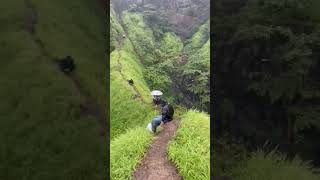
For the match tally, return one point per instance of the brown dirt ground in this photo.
(155, 165)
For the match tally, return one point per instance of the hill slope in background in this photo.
(49, 120)
(177, 16)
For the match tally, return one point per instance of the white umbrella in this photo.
(156, 93)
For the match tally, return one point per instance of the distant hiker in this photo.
(156, 96)
(130, 82)
(123, 36)
(66, 64)
(167, 112)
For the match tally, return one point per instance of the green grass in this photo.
(43, 135)
(116, 30)
(274, 166)
(190, 149)
(129, 115)
(133, 69)
(126, 151)
(126, 110)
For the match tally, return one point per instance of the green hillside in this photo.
(131, 108)
(190, 149)
(161, 60)
(134, 57)
(127, 108)
(44, 133)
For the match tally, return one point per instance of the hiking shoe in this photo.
(154, 130)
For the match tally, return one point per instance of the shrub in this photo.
(274, 166)
(190, 149)
(126, 151)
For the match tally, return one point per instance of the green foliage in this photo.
(198, 39)
(129, 113)
(43, 133)
(157, 78)
(274, 166)
(126, 152)
(268, 67)
(190, 149)
(227, 153)
(141, 36)
(126, 110)
(196, 74)
(171, 45)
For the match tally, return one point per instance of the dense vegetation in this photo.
(190, 149)
(274, 166)
(151, 62)
(126, 109)
(44, 134)
(127, 151)
(266, 81)
(180, 69)
(130, 108)
(195, 72)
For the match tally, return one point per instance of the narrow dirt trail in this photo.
(155, 165)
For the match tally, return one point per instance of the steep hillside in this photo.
(141, 36)
(149, 62)
(47, 117)
(131, 107)
(177, 16)
(191, 87)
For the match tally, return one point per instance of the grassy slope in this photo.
(43, 135)
(129, 115)
(126, 152)
(190, 149)
(274, 166)
(126, 110)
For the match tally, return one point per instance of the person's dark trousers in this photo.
(166, 119)
(156, 122)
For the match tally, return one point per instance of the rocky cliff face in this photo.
(180, 16)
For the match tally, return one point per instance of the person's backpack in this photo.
(167, 112)
(170, 110)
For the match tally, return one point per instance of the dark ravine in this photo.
(155, 165)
